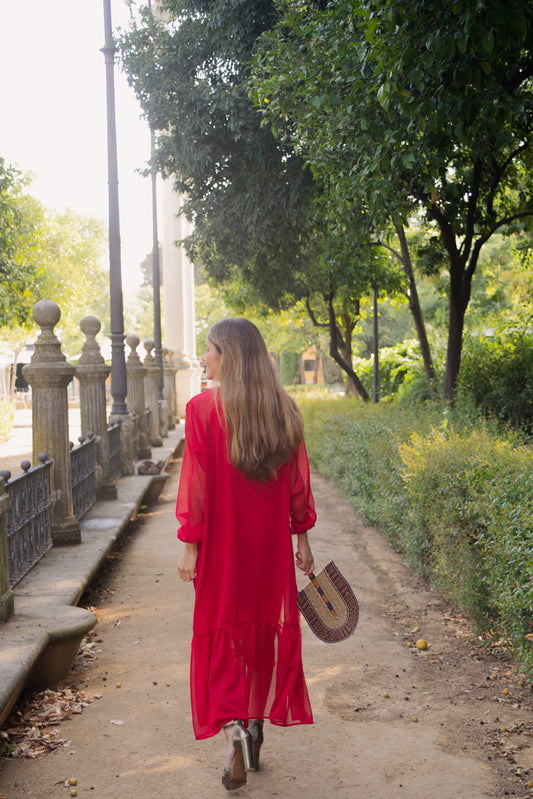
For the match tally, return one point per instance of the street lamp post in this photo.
(118, 361)
(156, 278)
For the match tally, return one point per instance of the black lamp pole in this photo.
(156, 278)
(156, 271)
(118, 361)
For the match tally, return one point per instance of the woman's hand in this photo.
(187, 564)
(304, 557)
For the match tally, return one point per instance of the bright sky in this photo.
(53, 116)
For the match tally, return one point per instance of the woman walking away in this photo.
(244, 493)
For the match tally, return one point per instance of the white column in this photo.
(178, 300)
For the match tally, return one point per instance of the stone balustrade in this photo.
(49, 375)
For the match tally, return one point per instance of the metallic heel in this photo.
(234, 775)
(256, 731)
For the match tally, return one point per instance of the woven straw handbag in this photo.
(329, 605)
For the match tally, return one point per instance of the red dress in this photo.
(246, 648)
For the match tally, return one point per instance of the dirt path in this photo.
(136, 741)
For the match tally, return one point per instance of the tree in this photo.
(247, 196)
(256, 211)
(406, 106)
(78, 279)
(23, 273)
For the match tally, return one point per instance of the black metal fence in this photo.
(29, 518)
(83, 470)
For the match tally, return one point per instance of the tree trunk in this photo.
(336, 340)
(346, 348)
(416, 311)
(337, 356)
(460, 286)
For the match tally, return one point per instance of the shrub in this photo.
(507, 546)
(451, 491)
(396, 364)
(445, 476)
(497, 371)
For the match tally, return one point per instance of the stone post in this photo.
(6, 596)
(49, 375)
(163, 417)
(92, 373)
(136, 400)
(127, 455)
(169, 371)
(150, 388)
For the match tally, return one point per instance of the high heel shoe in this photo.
(256, 731)
(234, 775)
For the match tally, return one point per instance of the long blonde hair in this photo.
(264, 424)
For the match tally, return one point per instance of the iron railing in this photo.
(83, 469)
(29, 518)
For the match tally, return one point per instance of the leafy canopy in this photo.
(247, 195)
(402, 106)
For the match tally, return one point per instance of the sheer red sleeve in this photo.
(303, 515)
(190, 505)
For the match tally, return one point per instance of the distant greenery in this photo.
(6, 419)
(47, 254)
(452, 492)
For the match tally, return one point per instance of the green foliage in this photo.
(47, 254)
(396, 365)
(23, 274)
(451, 492)
(288, 367)
(247, 195)
(288, 330)
(259, 216)
(7, 411)
(401, 107)
(507, 546)
(74, 251)
(497, 372)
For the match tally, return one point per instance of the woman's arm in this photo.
(303, 515)
(304, 557)
(187, 564)
(190, 504)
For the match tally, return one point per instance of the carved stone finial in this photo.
(133, 342)
(90, 353)
(47, 314)
(90, 326)
(47, 347)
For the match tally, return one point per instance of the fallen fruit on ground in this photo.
(421, 643)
